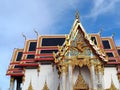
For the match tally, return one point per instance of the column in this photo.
(63, 77)
(18, 85)
(100, 75)
(119, 79)
(93, 78)
(12, 83)
(70, 74)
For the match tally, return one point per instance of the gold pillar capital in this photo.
(118, 77)
(23, 79)
(64, 68)
(11, 79)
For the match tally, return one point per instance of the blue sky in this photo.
(51, 17)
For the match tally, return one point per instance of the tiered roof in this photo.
(35, 51)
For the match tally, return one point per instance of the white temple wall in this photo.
(46, 74)
(110, 75)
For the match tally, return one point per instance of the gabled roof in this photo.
(76, 29)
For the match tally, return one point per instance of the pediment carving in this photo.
(80, 83)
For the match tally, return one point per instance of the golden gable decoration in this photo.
(80, 83)
(30, 86)
(45, 86)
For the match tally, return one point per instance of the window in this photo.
(118, 51)
(30, 56)
(52, 41)
(106, 44)
(46, 63)
(16, 66)
(110, 54)
(32, 46)
(94, 39)
(19, 56)
(111, 60)
(48, 51)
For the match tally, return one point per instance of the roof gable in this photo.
(78, 42)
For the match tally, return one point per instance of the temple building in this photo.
(76, 61)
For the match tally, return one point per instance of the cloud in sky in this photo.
(102, 7)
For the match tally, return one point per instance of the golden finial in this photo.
(35, 32)
(45, 86)
(24, 36)
(59, 48)
(67, 37)
(101, 30)
(30, 86)
(77, 14)
(113, 34)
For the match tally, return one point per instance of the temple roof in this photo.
(41, 49)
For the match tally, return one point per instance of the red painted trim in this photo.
(44, 59)
(15, 69)
(30, 52)
(113, 58)
(110, 50)
(17, 62)
(15, 74)
(29, 64)
(112, 63)
(44, 55)
(48, 48)
(27, 60)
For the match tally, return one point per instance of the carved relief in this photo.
(80, 84)
(112, 87)
(45, 86)
(30, 86)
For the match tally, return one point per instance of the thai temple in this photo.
(75, 61)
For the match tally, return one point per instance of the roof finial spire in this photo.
(77, 14)
(24, 36)
(113, 34)
(101, 30)
(35, 32)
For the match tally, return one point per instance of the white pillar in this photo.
(119, 84)
(63, 78)
(70, 77)
(100, 77)
(11, 83)
(93, 78)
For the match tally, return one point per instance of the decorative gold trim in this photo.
(80, 83)
(38, 69)
(30, 86)
(45, 86)
(11, 79)
(58, 87)
(118, 76)
(23, 79)
(99, 68)
(112, 87)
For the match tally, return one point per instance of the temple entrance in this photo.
(80, 83)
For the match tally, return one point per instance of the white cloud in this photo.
(102, 7)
